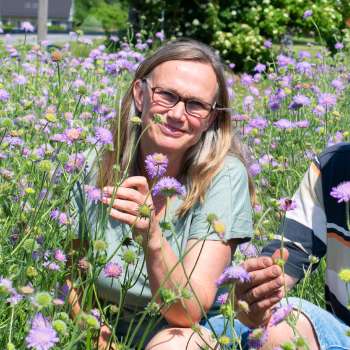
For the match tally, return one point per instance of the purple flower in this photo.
(233, 274)
(319, 110)
(246, 80)
(303, 68)
(15, 298)
(274, 102)
(268, 44)
(248, 249)
(248, 104)
(258, 123)
(41, 336)
(254, 169)
(280, 314)
(339, 46)
(299, 101)
(160, 35)
(103, 136)
(4, 95)
(112, 270)
(341, 192)
(287, 204)
(156, 165)
(168, 186)
(257, 338)
(222, 298)
(60, 256)
(75, 162)
(283, 124)
(27, 27)
(307, 13)
(284, 61)
(6, 284)
(338, 84)
(303, 124)
(94, 194)
(260, 68)
(327, 100)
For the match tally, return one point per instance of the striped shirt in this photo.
(317, 226)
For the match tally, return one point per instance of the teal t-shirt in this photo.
(227, 197)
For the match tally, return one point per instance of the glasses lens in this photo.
(198, 109)
(165, 98)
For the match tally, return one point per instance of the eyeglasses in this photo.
(170, 99)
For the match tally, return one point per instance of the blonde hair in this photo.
(203, 160)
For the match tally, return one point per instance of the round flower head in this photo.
(233, 274)
(307, 13)
(248, 249)
(156, 165)
(287, 204)
(103, 136)
(168, 186)
(280, 314)
(341, 192)
(112, 270)
(327, 100)
(41, 336)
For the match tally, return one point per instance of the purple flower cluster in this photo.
(59, 216)
(156, 165)
(167, 187)
(280, 315)
(93, 193)
(112, 270)
(341, 192)
(233, 274)
(75, 163)
(41, 335)
(287, 204)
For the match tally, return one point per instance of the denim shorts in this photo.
(331, 332)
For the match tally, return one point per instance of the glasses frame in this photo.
(182, 99)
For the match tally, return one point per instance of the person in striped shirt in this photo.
(315, 228)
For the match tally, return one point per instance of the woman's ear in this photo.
(138, 94)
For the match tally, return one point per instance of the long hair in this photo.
(203, 160)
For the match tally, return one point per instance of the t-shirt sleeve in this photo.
(228, 198)
(304, 228)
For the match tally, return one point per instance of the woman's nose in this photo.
(178, 111)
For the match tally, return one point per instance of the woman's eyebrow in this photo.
(188, 97)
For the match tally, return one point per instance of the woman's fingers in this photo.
(124, 193)
(125, 206)
(138, 182)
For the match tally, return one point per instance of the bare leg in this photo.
(283, 333)
(181, 338)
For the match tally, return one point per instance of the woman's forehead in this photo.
(188, 77)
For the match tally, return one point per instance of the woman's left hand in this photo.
(125, 205)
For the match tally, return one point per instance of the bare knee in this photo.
(180, 338)
(283, 332)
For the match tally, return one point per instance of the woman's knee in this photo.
(180, 338)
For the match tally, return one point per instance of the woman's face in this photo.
(180, 131)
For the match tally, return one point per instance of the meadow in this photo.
(57, 108)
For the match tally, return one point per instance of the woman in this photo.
(183, 82)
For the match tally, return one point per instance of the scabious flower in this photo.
(103, 136)
(27, 27)
(254, 169)
(248, 104)
(341, 192)
(257, 338)
(4, 95)
(222, 298)
(233, 274)
(268, 44)
(156, 165)
(339, 46)
(60, 256)
(75, 162)
(248, 249)
(284, 124)
(307, 13)
(287, 204)
(299, 101)
(112, 270)
(260, 68)
(41, 336)
(280, 314)
(327, 100)
(94, 194)
(168, 186)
